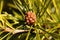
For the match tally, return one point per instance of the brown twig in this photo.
(19, 31)
(14, 31)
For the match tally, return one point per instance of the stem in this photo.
(28, 33)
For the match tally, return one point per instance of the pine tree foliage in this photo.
(13, 25)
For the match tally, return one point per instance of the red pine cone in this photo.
(30, 17)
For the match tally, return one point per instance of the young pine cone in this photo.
(30, 17)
